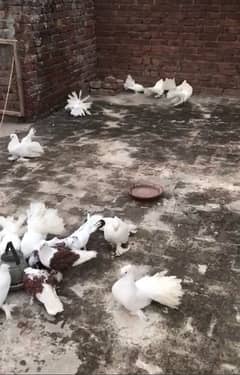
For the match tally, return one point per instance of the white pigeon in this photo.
(169, 84)
(78, 106)
(42, 285)
(41, 221)
(130, 84)
(5, 282)
(12, 230)
(79, 238)
(157, 90)
(27, 149)
(137, 293)
(60, 258)
(180, 94)
(28, 138)
(117, 233)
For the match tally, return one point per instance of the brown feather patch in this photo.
(63, 259)
(33, 284)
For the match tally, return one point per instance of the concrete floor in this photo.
(89, 164)
(13, 127)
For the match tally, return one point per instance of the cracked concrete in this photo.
(193, 232)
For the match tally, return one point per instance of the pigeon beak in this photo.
(101, 224)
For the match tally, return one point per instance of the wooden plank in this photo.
(19, 79)
(11, 113)
(11, 42)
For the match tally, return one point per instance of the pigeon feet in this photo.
(7, 308)
(141, 315)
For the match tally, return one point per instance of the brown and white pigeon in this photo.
(59, 257)
(79, 238)
(41, 284)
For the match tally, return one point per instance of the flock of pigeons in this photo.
(78, 106)
(27, 148)
(46, 260)
(176, 94)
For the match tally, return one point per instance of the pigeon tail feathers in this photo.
(44, 220)
(166, 290)
(50, 299)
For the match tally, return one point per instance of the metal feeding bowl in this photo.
(15, 259)
(145, 192)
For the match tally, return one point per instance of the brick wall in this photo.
(197, 40)
(56, 47)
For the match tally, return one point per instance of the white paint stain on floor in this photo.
(212, 327)
(117, 153)
(149, 367)
(202, 269)
(111, 124)
(152, 221)
(229, 368)
(188, 327)
(114, 114)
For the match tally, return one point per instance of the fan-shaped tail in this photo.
(166, 290)
(85, 256)
(44, 220)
